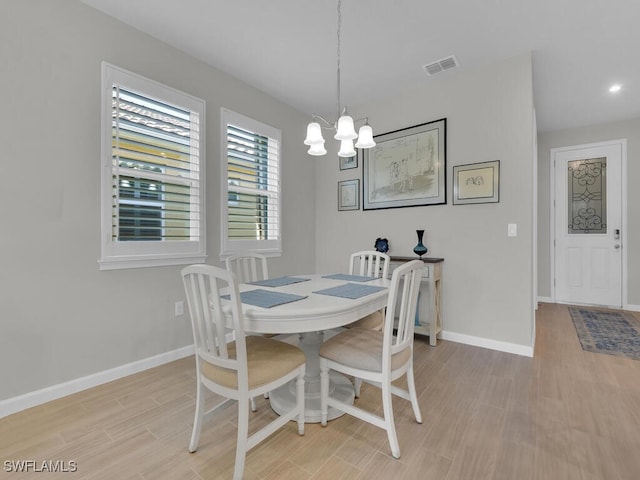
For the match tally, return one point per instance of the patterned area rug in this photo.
(607, 331)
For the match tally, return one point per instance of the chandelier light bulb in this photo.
(317, 149)
(314, 134)
(365, 137)
(345, 131)
(346, 149)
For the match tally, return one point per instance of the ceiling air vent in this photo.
(440, 65)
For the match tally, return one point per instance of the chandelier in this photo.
(343, 125)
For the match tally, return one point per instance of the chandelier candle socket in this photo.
(344, 126)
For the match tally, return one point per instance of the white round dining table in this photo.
(312, 318)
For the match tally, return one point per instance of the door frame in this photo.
(622, 142)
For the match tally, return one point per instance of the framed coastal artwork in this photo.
(406, 168)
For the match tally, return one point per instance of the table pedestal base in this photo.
(283, 398)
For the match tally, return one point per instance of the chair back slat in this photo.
(403, 299)
(369, 263)
(204, 286)
(248, 267)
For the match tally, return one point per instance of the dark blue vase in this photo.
(420, 249)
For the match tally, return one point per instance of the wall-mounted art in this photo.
(347, 163)
(349, 195)
(476, 183)
(406, 168)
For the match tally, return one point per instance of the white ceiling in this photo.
(287, 48)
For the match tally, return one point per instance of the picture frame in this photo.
(476, 183)
(349, 195)
(347, 163)
(406, 168)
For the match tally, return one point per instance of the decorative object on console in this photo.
(382, 245)
(343, 125)
(407, 168)
(420, 249)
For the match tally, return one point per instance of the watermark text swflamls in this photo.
(40, 466)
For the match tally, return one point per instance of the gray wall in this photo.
(629, 129)
(487, 286)
(60, 317)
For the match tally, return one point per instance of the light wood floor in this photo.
(565, 414)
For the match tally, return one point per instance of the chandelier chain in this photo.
(339, 28)
(338, 56)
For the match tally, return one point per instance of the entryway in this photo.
(588, 227)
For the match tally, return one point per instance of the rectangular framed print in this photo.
(406, 168)
(347, 163)
(476, 183)
(349, 195)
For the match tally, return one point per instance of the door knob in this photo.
(617, 245)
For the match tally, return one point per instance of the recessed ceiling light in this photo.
(615, 88)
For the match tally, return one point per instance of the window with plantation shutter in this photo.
(152, 175)
(251, 186)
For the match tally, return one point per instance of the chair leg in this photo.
(387, 407)
(357, 384)
(197, 421)
(252, 403)
(412, 393)
(324, 392)
(300, 401)
(243, 433)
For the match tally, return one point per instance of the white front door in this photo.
(588, 224)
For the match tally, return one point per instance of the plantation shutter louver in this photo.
(155, 170)
(253, 185)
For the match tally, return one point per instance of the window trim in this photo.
(228, 247)
(120, 255)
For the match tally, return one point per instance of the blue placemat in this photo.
(350, 290)
(349, 278)
(266, 298)
(279, 281)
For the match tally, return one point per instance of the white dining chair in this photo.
(369, 264)
(248, 267)
(376, 357)
(238, 370)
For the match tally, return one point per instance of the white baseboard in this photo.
(627, 306)
(523, 350)
(545, 300)
(31, 399)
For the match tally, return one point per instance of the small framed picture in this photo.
(347, 163)
(349, 195)
(476, 183)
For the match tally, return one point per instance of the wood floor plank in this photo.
(337, 469)
(478, 452)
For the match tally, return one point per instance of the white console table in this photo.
(429, 311)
